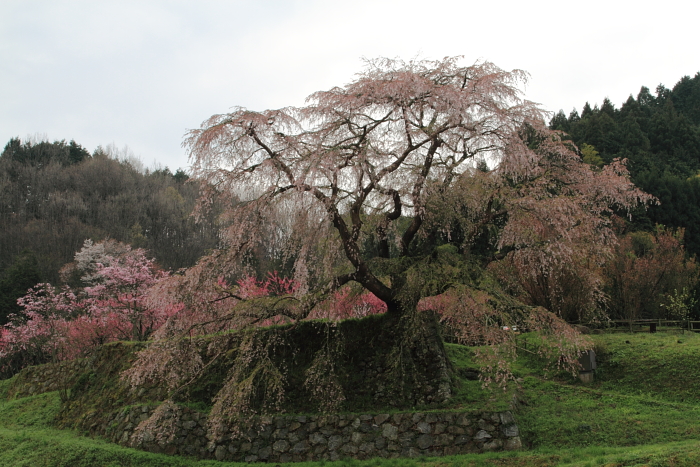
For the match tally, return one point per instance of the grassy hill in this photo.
(643, 409)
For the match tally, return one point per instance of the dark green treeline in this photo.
(659, 134)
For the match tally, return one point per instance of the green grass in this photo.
(647, 390)
(643, 409)
(660, 365)
(470, 393)
(62, 448)
(559, 415)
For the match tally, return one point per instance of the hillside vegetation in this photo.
(54, 196)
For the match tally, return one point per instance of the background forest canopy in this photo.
(54, 196)
(377, 197)
(659, 134)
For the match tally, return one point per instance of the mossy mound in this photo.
(378, 364)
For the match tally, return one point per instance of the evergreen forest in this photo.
(659, 135)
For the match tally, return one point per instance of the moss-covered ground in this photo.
(643, 409)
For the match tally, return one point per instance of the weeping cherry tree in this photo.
(350, 188)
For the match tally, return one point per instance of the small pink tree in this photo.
(43, 330)
(120, 296)
(60, 324)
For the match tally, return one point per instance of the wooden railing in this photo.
(653, 325)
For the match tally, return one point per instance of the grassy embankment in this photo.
(643, 409)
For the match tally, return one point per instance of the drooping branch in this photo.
(274, 157)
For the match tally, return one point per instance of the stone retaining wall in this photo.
(46, 378)
(173, 429)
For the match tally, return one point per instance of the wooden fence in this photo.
(653, 325)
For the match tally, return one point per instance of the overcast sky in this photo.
(142, 73)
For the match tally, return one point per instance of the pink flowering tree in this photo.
(120, 295)
(39, 333)
(60, 324)
(387, 185)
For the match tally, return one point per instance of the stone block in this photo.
(334, 442)
(485, 425)
(390, 431)
(493, 445)
(444, 439)
(300, 448)
(349, 449)
(431, 418)
(510, 431)
(586, 377)
(423, 427)
(294, 426)
(513, 444)
(506, 418)
(220, 453)
(317, 438)
(189, 424)
(365, 427)
(463, 420)
(266, 420)
(451, 450)
(281, 445)
(379, 419)
(367, 447)
(281, 433)
(424, 441)
(379, 443)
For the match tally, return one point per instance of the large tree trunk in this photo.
(418, 362)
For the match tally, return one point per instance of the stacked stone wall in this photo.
(173, 429)
(46, 378)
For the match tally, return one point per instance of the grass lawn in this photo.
(642, 410)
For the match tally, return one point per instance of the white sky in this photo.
(141, 73)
